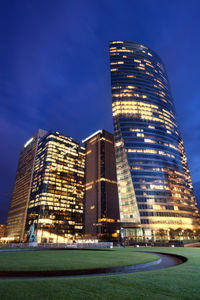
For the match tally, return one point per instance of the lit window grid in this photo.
(63, 196)
(120, 108)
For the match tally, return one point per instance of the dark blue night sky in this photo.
(54, 69)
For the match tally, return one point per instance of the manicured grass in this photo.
(179, 282)
(71, 259)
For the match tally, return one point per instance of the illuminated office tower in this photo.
(21, 192)
(57, 194)
(101, 196)
(154, 184)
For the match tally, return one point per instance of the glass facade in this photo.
(154, 184)
(21, 192)
(57, 193)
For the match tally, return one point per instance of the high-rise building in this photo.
(101, 196)
(57, 192)
(155, 188)
(21, 192)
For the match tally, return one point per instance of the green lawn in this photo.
(71, 259)
(179, 282)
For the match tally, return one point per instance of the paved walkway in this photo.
(165, 261)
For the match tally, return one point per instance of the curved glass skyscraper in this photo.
(154, 184)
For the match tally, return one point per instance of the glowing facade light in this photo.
(92, 135)
(28, 142)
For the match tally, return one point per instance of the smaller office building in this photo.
(101, 195)
(57, 193)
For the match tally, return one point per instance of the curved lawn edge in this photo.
(116, 260)
(166, 260)
(76, 272)
(181, 257)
